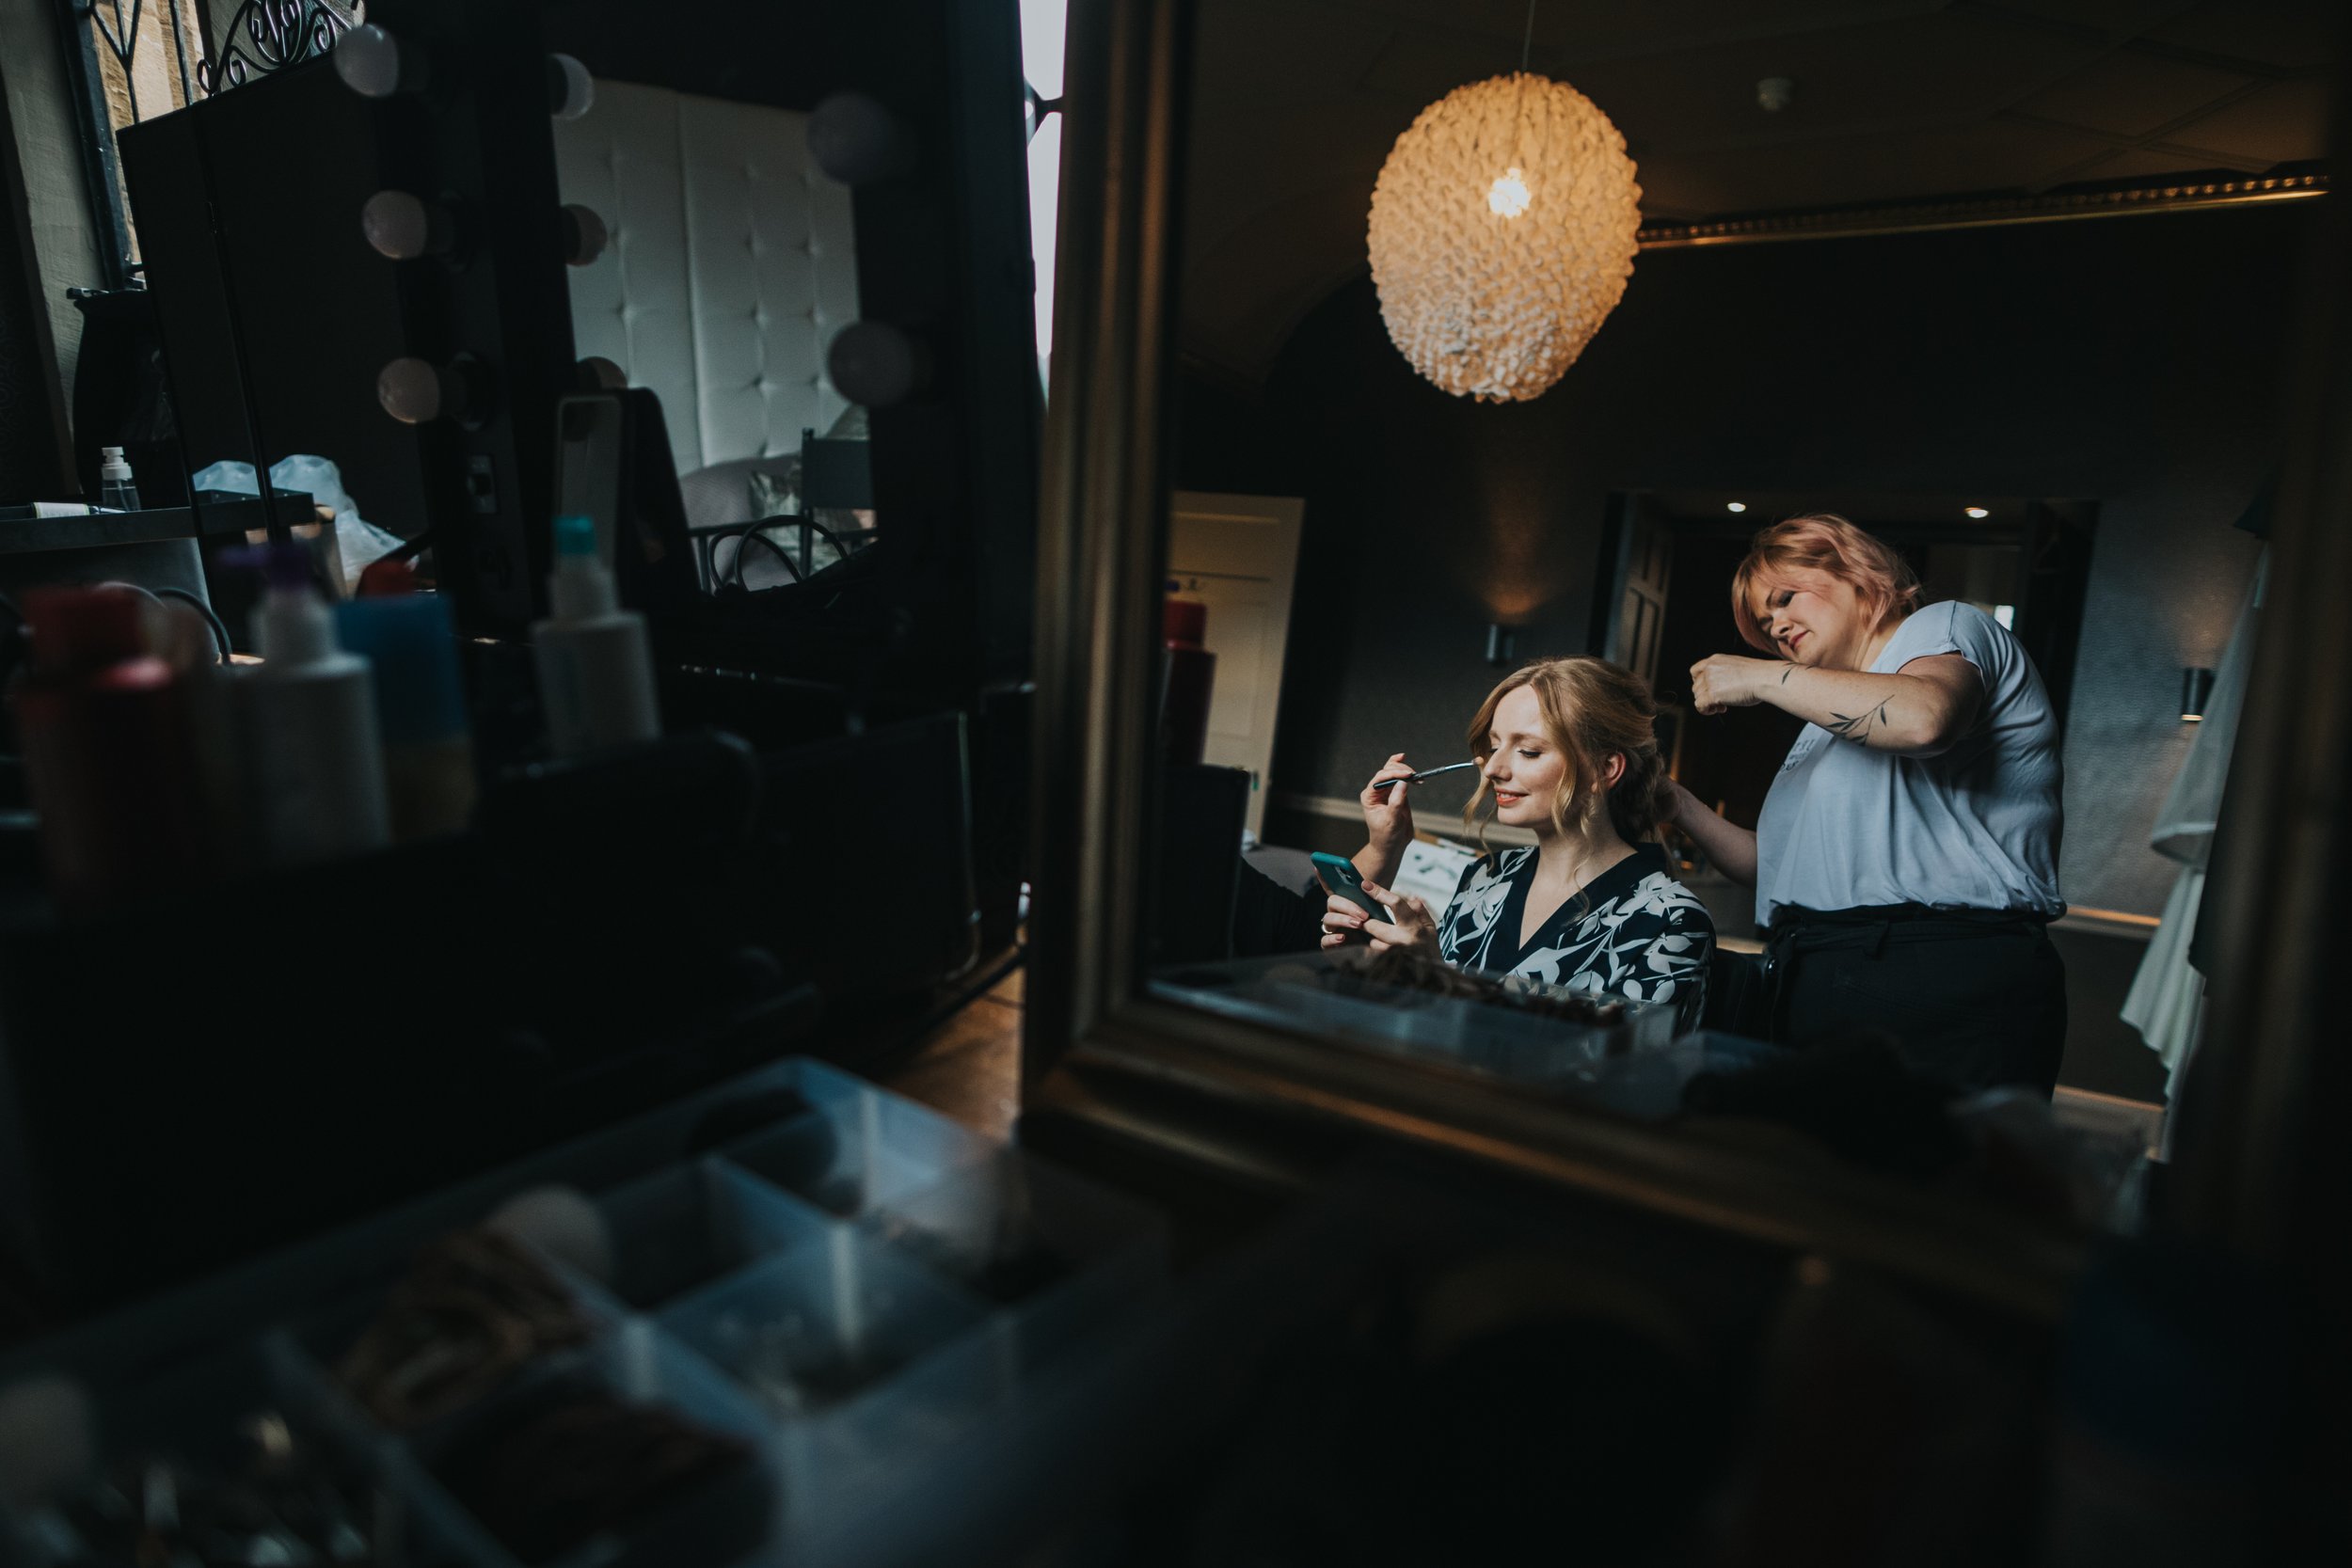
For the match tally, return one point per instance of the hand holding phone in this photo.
(1341, 876)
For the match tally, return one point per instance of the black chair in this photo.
(836, 475)
(1739, 996)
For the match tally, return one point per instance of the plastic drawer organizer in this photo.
(760, 1355)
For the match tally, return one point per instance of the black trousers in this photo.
(1973, 998)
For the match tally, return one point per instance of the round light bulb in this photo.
(595, 373)
(410, 390)
(1735, 506)
(857, 141)
(1507, 197)
(571, 91)
(875, 365)
(584, 235)
(398, 226)
(370, 62)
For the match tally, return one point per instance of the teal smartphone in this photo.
(1341, 876)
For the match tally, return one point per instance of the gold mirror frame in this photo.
(1260, 1105)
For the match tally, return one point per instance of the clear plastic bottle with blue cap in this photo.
(595, 668)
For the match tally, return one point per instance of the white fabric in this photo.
(1431, 872)
(2166, 994)
(1976, 828)
(359, 543)
(733, 264)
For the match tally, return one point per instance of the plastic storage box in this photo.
(852, 1303)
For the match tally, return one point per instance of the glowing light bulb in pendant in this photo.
(1508, 195)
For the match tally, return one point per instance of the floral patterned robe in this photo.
(1633, 932)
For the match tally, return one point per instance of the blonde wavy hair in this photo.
(1592, 710)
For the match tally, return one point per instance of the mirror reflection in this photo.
(1691, 600)
(718, 262)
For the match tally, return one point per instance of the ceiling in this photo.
(1296, 103)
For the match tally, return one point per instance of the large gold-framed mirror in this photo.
(1114, 1054)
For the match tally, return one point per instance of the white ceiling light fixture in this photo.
(1503, 234)
(1735, 506)
(1976, 512)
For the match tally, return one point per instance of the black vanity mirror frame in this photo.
(1265, 1108)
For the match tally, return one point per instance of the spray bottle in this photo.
(595, 672)
(116, 490)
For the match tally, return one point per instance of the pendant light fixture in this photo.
(1503, 234)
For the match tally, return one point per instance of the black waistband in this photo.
(1794, 915)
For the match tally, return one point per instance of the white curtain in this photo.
(2166, 994)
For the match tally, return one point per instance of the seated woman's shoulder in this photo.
(1659, 893)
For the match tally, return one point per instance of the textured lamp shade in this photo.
(1503, 234)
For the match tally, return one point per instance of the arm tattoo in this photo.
(1786, 674)
(1858, 727)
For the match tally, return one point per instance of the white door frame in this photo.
(1243, 549)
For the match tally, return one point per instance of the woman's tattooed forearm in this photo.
(1858, 727)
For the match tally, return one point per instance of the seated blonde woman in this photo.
(1565, 750)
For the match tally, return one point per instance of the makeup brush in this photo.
(1428, 774)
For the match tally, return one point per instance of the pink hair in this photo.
(1821, 542)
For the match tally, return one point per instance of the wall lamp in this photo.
(2196, 691)
(1503, 645)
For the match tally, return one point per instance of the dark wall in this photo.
(2135, 362)
(787, 53)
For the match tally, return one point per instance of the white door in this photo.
(1238, 555)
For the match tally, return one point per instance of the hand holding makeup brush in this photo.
(1387, 815)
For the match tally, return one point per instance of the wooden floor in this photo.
(970, 1066)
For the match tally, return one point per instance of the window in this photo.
(130, 60)
(1042, 26)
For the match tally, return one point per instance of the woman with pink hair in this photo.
(1905, 862)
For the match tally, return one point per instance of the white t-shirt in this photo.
(1976, 828)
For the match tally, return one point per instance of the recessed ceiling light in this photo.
(1978, 512)
(1735, 506)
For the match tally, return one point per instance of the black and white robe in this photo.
(1633, 932)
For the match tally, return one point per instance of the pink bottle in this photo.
(108, 762)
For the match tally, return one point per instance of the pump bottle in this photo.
(314, 766)
(595, 671)
(116, 490)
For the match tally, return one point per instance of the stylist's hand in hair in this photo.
(1409, 923)
(1689, 808)
(1388, 816)
(1720, 682)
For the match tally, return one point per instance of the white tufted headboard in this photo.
(733, 264)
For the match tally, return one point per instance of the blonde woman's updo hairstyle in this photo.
(1594, 710)
(1821, 542)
